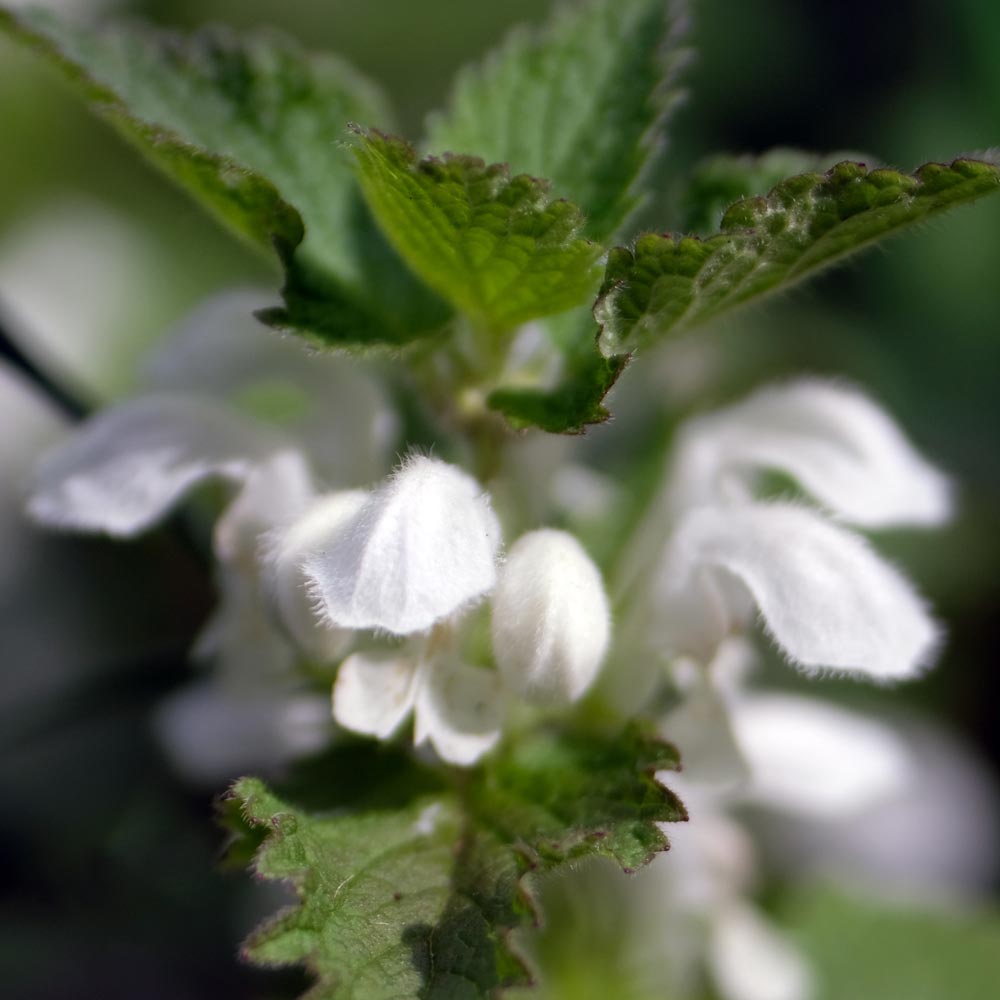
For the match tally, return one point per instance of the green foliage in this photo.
(563, 795)
(721, 180)
(666, 284)
(863, 948)
(253, 127)
(416, 895)
(498, 247)
(569, 400)
(581, 102)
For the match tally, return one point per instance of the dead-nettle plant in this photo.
(511, 634)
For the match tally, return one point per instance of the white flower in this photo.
(123, 470)
(551, 623)
(457, 708)
(824, 597)
(788, 754)
(410, 558)
(422, 546)
(831, 439)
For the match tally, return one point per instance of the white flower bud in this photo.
(551, 622)
(422, 546)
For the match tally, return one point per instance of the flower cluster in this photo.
(387, 585)
(334, 576)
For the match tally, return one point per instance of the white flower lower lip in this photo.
(825, 598)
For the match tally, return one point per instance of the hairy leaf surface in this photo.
(666, 284)
(417, 897)
(497, 247)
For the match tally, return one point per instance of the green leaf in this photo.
(721, 180)
(497, 247)
(866, 948)
(666, 284)
(254, 128)
(561, 795)
(572, 400)
(581, 102)
(418, 897)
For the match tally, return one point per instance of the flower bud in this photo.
(551, 623)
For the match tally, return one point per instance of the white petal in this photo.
(751, 960)
(374, 695)
(551, 622)
(422, 546)
(711, 857)
(330, 405)
(126, 467)
(212, 733)
(459, 710)
(240, 638)
(833, 440)
(701, 729)
(815, 759)
(826, 599)
(275, 491)
(286, 581)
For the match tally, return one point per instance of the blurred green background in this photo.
(106, 858)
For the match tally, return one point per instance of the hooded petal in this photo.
(817, 760)
(373, 695)
(751, 959)
(825, 598)
(833, 440)
(459, 710)
(421, 547)
(286, 581)
(127, 466)
(551, 622)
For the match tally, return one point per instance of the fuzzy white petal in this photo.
(284, 553)
(329, 404)
(373, 695)
(421, 547)
(701, 728)
(825, 598)
(275, 491)
(459, 710)
(551, 622)
(126, 467)
(751, 959)
(817, 760)
(834, 441)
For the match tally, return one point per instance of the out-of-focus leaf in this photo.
(862, 948)
(581, 102)
(254, 128)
